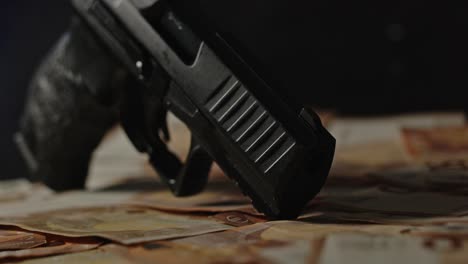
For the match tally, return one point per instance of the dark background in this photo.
(361, 57)
(28, 29)
(370, 57)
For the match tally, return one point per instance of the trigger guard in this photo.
(183, 179)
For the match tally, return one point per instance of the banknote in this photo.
(396, 201)
(126, 225)
(54, 245)
(272, 243)
(437, 145)
(262, 251)
(457, 252)
(353, 165)
(204, 202)
(284, 231)
(12, 239)
(234, 237)
(358, 131)
(365, 145)
(146, 254)
(293, 230)
(363, 248)
(423, 177)
(278, 241)
(218, 197)
(62, 201)
(455, 230)
(332, 243)
(336, 248)
(110, 254)
(156, 253)
(327, 215)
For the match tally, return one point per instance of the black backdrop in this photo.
(374, 56)
(365, 57)
(27, 31)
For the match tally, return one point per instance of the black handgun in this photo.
(134, 60)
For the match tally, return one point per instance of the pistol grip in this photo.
(72, 103)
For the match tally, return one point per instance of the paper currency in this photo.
(365, 145)
(422, 177)
(155, 253)
(438, 145)
(257, 251)
(15, 239)
(209, 201)
(126, 225)
(111, 254)
(398, 201)
(455, 230)
(337, 248)
(146, 254)
(284, 231)
(292, 231)
(63, 201)
(362, 249)
(356, 131)
(277, 242)
(439, 160)
(53, 246)
(233, 237)
(219, 196)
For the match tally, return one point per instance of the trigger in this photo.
(193, 176)
(183, 179)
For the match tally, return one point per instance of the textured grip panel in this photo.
(69, 108)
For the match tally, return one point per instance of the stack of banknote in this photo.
(397, 193)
